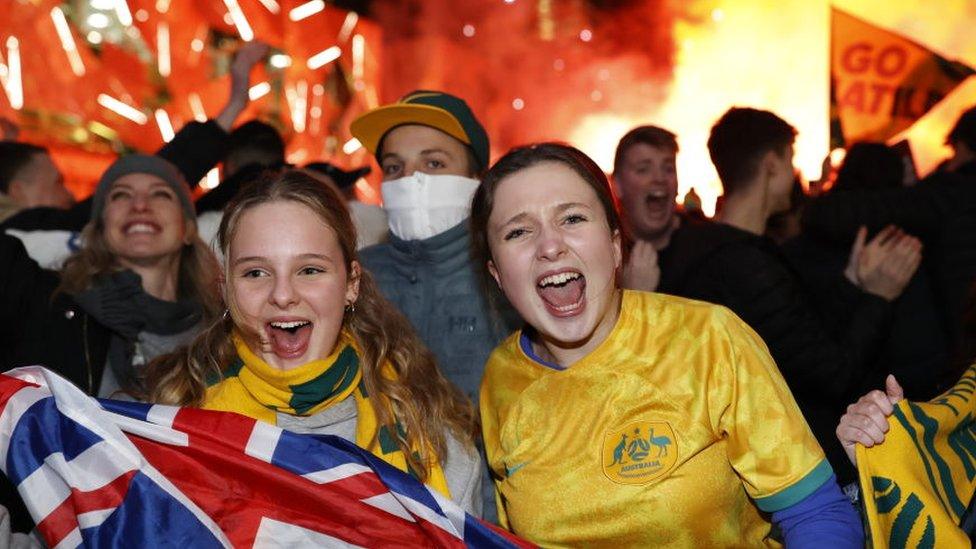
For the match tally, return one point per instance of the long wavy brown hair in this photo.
(419, 397)
(197, 277)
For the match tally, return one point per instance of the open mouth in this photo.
(658, 199)
(564, 292)
(289, 338)
(141, 227)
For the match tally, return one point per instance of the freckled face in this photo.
(553, 253)
(289, 283)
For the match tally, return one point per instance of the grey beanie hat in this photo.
(148, 164)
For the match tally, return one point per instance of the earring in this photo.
(226, 314)
(351, 307)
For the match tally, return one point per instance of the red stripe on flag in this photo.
(228, 429)
(9, 386)
(60, 522)
(237, 491)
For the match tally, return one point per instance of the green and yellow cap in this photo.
(438, 110)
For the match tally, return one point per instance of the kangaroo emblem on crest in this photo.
(618, 452)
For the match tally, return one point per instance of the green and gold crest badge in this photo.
(639, 452)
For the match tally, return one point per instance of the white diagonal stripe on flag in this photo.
(274, 534)
(158, 433)
(389, 503)
(429, 515)
(338, 472)
(70, 541)
(45, 488)
(92, 519)
(15, 408)
(161, 414)
(263, 441)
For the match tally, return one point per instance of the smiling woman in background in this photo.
(309, 344)
(138, 287)
(627, 418)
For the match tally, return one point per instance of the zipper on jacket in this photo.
(88, 368)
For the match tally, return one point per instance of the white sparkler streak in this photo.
(237, 15)
(162, 6)
(358, 56)
(324, 57)
(347, 26)
(305, 10)
(196, 105)
(297, 157)
(122, 109)
(258, 91)
(280, 61)
(12, 81)
(291, 98)
(372, 98)
(365, 188)
(301, 106)
(318, 95)
(351, 146)
(67, 41)
(165, 125)
(211, 180)
(162, 49)
(271, 5)
(123, 13)
(102, 130)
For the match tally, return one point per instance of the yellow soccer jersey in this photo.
(671, 433)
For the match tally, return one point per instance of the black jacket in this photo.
(823, 367)
(940, 210)
(46, 329)
(197, 148)
(40, 328)
(915, 348)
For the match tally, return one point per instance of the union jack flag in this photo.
(105, 473)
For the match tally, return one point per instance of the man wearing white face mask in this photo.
(432, 149)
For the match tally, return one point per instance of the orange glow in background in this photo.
(573, 70)
(748, 53)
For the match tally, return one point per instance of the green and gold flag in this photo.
(917, 485)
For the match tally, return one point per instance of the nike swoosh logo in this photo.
(509, 471)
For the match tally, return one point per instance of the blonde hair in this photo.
(424, 401)
(196, 280)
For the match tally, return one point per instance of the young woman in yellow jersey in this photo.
(623, 418)
(308, 343)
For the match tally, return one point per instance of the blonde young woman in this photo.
(309, 344)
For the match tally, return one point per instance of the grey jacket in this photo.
(434, 284)
(462, 466)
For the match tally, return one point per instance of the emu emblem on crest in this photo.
(639, 452)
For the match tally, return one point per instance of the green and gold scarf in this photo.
(918, 484)
(258, 390)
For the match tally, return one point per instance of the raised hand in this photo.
(886, 264)
(641, 272)
(240, 81)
